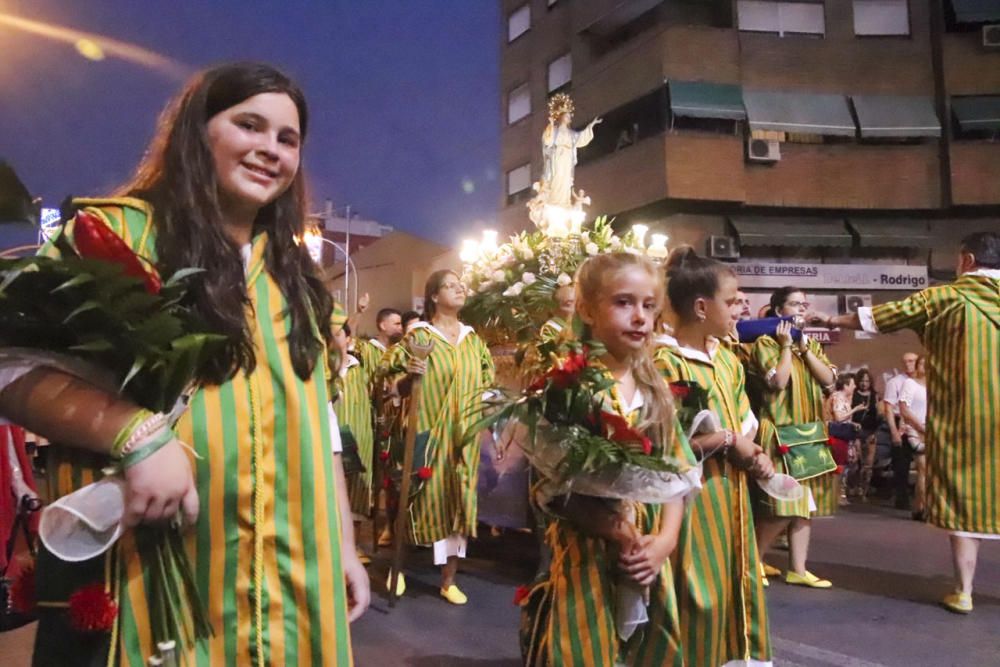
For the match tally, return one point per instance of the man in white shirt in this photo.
(901, 455)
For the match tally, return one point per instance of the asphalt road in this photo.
(888, 574)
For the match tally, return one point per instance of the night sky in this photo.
(403, 97)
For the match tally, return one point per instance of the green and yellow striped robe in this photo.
(959, 324)
(800, 402)
(723, 612)
(266, 549)
(354, 413)
(370, 352)
(457, 377)
(568, 618)
(552, 329)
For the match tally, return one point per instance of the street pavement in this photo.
(888, 574)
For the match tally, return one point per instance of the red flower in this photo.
(617, 428)
(839, 470)
(386, 483)
(92, 609)
(566, 373)
(784, 449)
(95, 240)
(383, 455)
(831, 441)
(22, 590)
(385, 435)
(647, 446)
(425, 472)
(521, 594)
(679, 390)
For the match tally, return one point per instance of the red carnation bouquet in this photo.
(103, 313)
(573, 436)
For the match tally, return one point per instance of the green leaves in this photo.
(152, 343)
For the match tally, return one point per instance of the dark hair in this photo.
(690, 277)
(864, 372)
(383, 314)
(409, 316)
(347, 329)
(778, 299)
(431, 288)
(985, 247)
(178, 178)
(843, 379)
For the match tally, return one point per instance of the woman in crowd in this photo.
(913, 409)
(720, 591)
(220, 189)
(838, 413)
(794, 376)
(868, 420)
(443, 508)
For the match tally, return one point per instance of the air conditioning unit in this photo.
(849, 303)
(763, 150)
(991, 36)
(723, 247)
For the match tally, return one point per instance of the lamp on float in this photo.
(657, 247)
(488, 246)
(469, 252)
(639, 232)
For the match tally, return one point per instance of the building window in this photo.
(628, 124)
(881, 18)
(518, 103)
(518, 22)
(560, 72)
(782, 18)
(518, 184)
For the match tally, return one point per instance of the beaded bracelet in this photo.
(151, 425)
(126, 432)
(149, 446)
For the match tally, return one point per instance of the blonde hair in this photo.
(658, 406)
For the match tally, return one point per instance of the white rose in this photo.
(528, 278)
(514, 290)
(499, 276)
(527, 254)
(615, 242)
(591, 249)
(564, 280)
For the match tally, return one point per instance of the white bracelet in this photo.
(152, 425)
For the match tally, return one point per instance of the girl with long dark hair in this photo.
(221, 189)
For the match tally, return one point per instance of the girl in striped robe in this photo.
(720, 593)
(794, 377)
(443, 509)
(270, 541)
(569, 617)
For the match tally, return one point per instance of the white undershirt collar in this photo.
(464, 330)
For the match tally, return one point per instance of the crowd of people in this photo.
(264, 463)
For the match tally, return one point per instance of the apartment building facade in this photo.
(816, 134)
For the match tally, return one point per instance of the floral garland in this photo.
(512, 289)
